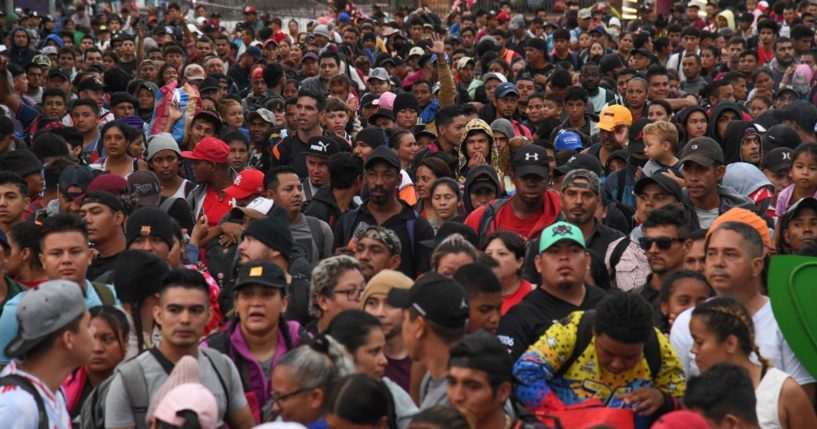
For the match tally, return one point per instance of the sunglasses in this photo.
(663, 243)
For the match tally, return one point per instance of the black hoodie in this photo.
(732, 138)
(712, 130)
(480, 170)
(324, 206)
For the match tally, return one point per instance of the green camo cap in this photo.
(560, 231)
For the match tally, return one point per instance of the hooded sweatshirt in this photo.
(479, 171)
(729, 17)
(712, 130)
(748, 181)
(728, 199)
(20, 56)
(732, 138)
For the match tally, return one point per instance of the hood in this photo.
(55, 38)
(477, 125)
(28, 37)
(732, 138)
(325, 196)
(683, 114)
(745, 178)
(729, 17)
(730, 198)
(712, 130)
(480, 170)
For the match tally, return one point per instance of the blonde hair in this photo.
(665, 131)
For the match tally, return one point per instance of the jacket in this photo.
(712, 126)
(324, 206)
(732, 139)
(479, 171)
(728, 199)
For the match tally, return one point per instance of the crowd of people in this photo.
(485, 218)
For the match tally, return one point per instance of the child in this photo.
(681, 290)
(552, 107)
(660, 146)
(777, 168)
(239, 149)
(341, 87)
(484, 296)
(336, 118)
(804, 182)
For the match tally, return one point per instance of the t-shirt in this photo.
(768, 337)
(511, 300)
(118, 411)
(432, 392)
(399, 371)
(291, 151)
(18, 410)
(100, 266)
(215, 206)
(706, 217)
(506, 219)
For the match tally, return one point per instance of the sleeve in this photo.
(328, 240)
(236, 398)
(448, 90)
(422, 254)
(670, 379)
(473, 219)
(18, 410)
(8, 328)
(791, 364)
(117, 405)
(513, 332)
(536, 368)
(681, 341)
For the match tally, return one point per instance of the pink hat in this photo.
(681, 420)
(190, 396)
(386, 101)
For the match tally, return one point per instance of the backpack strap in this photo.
(134, 381)
(220, 364)
(220, 341)
(489, 217)
(410, 228)
(317, 233)
(652, 352)
(105, 293)
(584, 335)
(616, 254)
(23, 383)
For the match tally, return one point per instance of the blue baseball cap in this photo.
(567, 140)
(504, 89)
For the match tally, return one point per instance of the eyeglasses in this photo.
(276, 398)
(351, 294)
(663, 243)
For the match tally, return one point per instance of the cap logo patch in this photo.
(610, 114)
(237, 180)
(533, 156)
(562, 230)
(786, 156)
(694, 147)
(256, 271)
(320, 146)
(146, 229)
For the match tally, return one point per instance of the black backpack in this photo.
(23, 383)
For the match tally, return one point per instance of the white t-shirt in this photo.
(18, 410)
(769, 340)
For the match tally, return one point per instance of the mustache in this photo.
(719, 272)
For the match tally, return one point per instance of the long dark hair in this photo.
(352, 327)
(361, 399)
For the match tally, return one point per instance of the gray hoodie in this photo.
(728, 199)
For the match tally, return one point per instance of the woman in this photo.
(430, 169)
(659, 110)
(231, 113)
(625, 46)
(164, 158)
(723, 331)
(258, 336)
(764, 84)
(710, 58)
(405, 145)
(452, 253)
(110, 330)
(239, 146)
(167, 73)
(301, 381)
(363, 337)
(758, 105)
(508, 249)
(114, 136)
(635, 98)
(481, 188)
(693, 120)
(357, 401)
(446, 201)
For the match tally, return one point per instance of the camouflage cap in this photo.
(384, 235)
(581, 178)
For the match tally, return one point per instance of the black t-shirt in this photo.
(100, 266)
(291, 151)
(527, 321)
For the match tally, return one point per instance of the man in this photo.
(13, 200)
(183, 312)
(734, 268)
(484, 293)
(337, 285)
(690, 38)
(531, 209)
(383, 208)
(375, 302)
(123, 104)
(724, 396)
(377, 249)
(563, 263)
(53, 339)
(614, 126)
(704, 197)
(85, 118)
(783, 58)
(449, 122)
(104, 216)
(506, 103)
(293, 149)
(65, 255)
(318, 151)
(798, 226)
(537, 60)
(211, 171)
(435, 312)
(692, 83)
(598, 97)
(329, 63)
(665, 242)
(616, 349)
(578, 118)
(581, 198)
(802, 116)
(312, 236)
(345, 184)
(480, 379)
(695, 259)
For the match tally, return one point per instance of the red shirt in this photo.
(216, 205)
(506, 219)
(509, 301)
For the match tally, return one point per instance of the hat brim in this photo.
(259, 282)
(236, 192)
(698, 159)
(250, 213)
(189, 154)
(149, 200)
(526, 170)
(398, 298)
(608, 126)
(572, 240)
(805, 203)
(482, 185)
(431, 244)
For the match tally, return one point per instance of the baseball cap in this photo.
(90, 84)
(249, 10)
(76, 175)
(777, 159)
(684, 419)
(115, 184)
(702, 151)
(57, 72)
(530, 159)
(505, 89)
(585, 13)
(264, 114)
(247, 182)
(209, 149)
(211, 117)
(159, 142)
(194, 72)
(560, 231)
(663, 182)
(384, 235)
(378, 73)
(462, 62)
(582, 178)
(635, 143)
(780, 135)
(309, 56)
(436, 298)
(188, 396)
(381, 113)
(581, 160)
(567, 140)
(801, 112)
(43, 311)
(264, 273)
(145, 187)
(382, 153)
(614, 115)
(256, 209)
(322, 146)
(416, 51)
(209, 84)
(491, 75)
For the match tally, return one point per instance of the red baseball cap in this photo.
(209, 149)
(248, 182)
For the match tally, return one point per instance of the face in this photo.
(764, 82)
(406, 118)
(165, 164)
(289, 192)
(102, 222)
(804, 171)
(201, 129)
(530, 188)
(696, 124)
(750, 149)
(66, 256)
(485, 310)
(259, 308)
(470, 389)
(445, 202)
(328, 68)
(308, 115)
(114, 142)
(369, 357)
(374, 257)
(390, 318)
(687, 293)
(635, 94)
(151, 244)
(563, 265)
(423, 93)
(801, 229)
(54, 107)
(747, 65)
(108, 347)
(659, 87)
(664, 260)
(239, 155)
(725, 93)
(651, 198)
(382, 181)
(579, 204)
(506, 106)
(700, 181)
(12, 203)
(250, 249)
(575, 109)
(183, 314)
(423, 183)
(757, 107)
(362, 150)
(85, 119)
(784, 53)
(337, 121)
(707, 348)
(450, 263)
(729, 264)
(259, 129)
(345, 295)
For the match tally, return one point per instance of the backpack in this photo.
(23, 383)
(652, 349)
(616, 254)
(489, 217)
(92, 413)
(104, 292)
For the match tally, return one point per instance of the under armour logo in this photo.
(562, 230)
(786, 156)
(531, 156)
(463, 304)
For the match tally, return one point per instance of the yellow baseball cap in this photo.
(613, 116)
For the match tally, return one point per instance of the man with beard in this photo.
(261, 125)
(581, 198)
(783, 59)
(563, 263)
(377, 249)
(598, 97)
(614, 126)
(665, 242)
(293, 149)
(383, 208)
(798, 226)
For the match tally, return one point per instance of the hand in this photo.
(671, 175)
(225, 240)
(232, 230)
(173, 111)
(141, 32)
(437, 46)
(4, 62)
(200, 230)
(476, 160)
(639, 172)
(645, 401)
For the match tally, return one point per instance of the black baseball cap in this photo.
(381, 113)
(662, 181)
(702, 151)
(778, 159)
(450, 228)
(322, 146)
(584, 161)
(803, 113)
(530, 159)
(262, 273)
(780, 135)
(636, 136)
(382, 153)
(436, 298)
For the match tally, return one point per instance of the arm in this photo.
(537, 367)
(798, 411)
(242, 419)
(7, 97)
(448, 89)
(679, 103)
